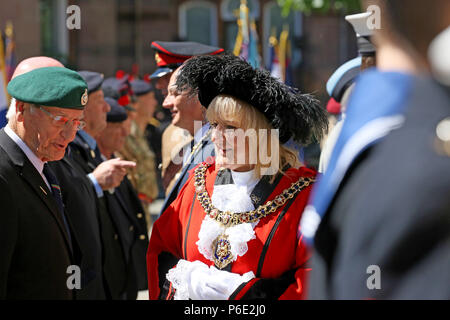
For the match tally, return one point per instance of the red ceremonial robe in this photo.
(277, 256)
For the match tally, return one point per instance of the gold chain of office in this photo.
(197, 146)
(228, 218)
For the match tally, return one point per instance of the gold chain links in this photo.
(229, 219)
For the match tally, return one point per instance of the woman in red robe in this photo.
(232, 231)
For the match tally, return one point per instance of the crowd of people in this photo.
(243, 217)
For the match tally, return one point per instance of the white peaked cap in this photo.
(359, 23)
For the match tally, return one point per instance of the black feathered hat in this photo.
(295, 115)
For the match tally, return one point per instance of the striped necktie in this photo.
(56, 192)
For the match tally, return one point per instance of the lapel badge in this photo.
(92, 154)
(43, 190)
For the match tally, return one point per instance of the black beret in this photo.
(295, 115)
(118, 89)
(115, 88)
(94, 80)
(117, 112)
(140, 87)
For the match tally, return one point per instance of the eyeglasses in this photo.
(61, 121)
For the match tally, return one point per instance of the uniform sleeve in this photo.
(8, 234)
(165, 248)
(289, 286)
(409, 254)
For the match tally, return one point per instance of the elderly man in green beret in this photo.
(36, 244)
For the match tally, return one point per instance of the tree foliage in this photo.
(320, 6)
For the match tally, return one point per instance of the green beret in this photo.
(50, 86)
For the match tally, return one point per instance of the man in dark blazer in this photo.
(101, 176)
(81, 206)
(386, 233)
(392, 218)
(82, 209)
(124, 206)
(38, 248)
(79, 202)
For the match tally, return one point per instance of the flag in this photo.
(280, 56)
(253, 55)
(274, 66)
(241, 45)
(10, 48)
(284, 57)
(3, 82)
(246, 44)
(243, 17)
(238, 41)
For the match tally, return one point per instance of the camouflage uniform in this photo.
(173, 141)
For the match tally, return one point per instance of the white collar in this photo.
(37, 163)
(200, 133)
(230, 197)
(246, 178)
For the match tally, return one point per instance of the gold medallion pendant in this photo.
(222, 251)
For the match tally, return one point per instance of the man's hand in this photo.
(110, 173)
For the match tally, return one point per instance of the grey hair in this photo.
(11, 110)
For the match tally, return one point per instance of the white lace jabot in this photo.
(235, 198)
(226, 197)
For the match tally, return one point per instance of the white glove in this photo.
(225, 282)
(180, 277)
(202, 286)
(195, 280)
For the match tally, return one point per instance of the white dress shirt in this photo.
(37, 163)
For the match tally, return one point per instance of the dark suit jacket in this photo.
(34, 245)
(201, 154)
(123, 229)
(128, 215)
(392, 212)
(80, 202)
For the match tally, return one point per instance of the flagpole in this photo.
(244, 20)
(238, 42)
(3, 67)
(284, 35)
(9, 50)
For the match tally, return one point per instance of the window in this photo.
(198, 22)
(54, 33)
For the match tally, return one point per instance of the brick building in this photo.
(115, 34)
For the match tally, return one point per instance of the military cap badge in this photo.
(84, 98)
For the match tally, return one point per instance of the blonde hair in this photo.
(225, 109)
